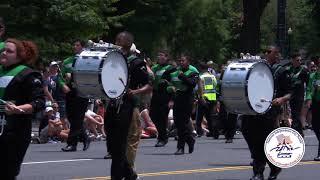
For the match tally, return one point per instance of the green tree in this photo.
(53, 24)
(151, 23)
(300, 18)
(250, 33)
(203, 30)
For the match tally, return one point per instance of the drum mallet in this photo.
(8, 103)
(264, 100)
(122, 81)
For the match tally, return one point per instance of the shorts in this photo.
(62, 109)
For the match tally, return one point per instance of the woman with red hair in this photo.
(21, 96)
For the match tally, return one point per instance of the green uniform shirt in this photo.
(66, 68)
(176, 83)
(295, 72)
(158, 71)
(136, 98)
(2, 45)
(313, 88)
(6, 77)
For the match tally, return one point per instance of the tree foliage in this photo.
(301, 18)
(53, 24)
(206, 29)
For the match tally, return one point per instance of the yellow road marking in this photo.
(191, 171)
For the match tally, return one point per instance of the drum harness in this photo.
(118, 102)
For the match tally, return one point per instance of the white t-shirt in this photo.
(90, 113)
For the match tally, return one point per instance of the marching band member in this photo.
(256, 128)
(17, 109)
(119, 115)
(300, 76)
(183, 80)
(313, 101)
(76, 106)
(159, 108)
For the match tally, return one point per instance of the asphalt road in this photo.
(212, 160)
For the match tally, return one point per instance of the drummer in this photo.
(76, 106)
(119, 115)
(256, 128)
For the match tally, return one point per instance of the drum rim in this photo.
(246, 87)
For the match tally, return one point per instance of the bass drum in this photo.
(101, 74)
(247, 87)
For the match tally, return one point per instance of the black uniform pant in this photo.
(296, 107)
(316, 120)
(230, 125)
(228, 122)
(159, 111)
(208, 110)
(76, 108)
(13, 147)
(255, 130)
(182, 110)
(118, 127)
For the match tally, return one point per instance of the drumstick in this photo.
(5, 102)
(264, 100)
(122, 81)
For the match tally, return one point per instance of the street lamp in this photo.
(290, 31)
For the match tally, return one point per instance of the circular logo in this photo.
(284, 147)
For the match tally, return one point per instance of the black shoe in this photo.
(251, 163)
(161, 143)
(191, 143)
(132, 177)
(229, 141)
(274, 173)
(180, 151)
(200, 134)
(317, 158)
(216, 135)
(108, 156)
(209, 134)
(86, 143)
(257, 177)
(69, 148)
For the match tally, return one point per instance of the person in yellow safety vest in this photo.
(207, 102)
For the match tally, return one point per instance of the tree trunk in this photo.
(250, 33)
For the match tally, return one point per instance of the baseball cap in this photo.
(54, 63)
(209, 62)
(49, 109)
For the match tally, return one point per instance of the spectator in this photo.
(149, 130)
(94, 123)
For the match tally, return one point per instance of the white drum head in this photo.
(260, 87)
(114, 75)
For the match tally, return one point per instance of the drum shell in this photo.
(234, 88)
(87, 77)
